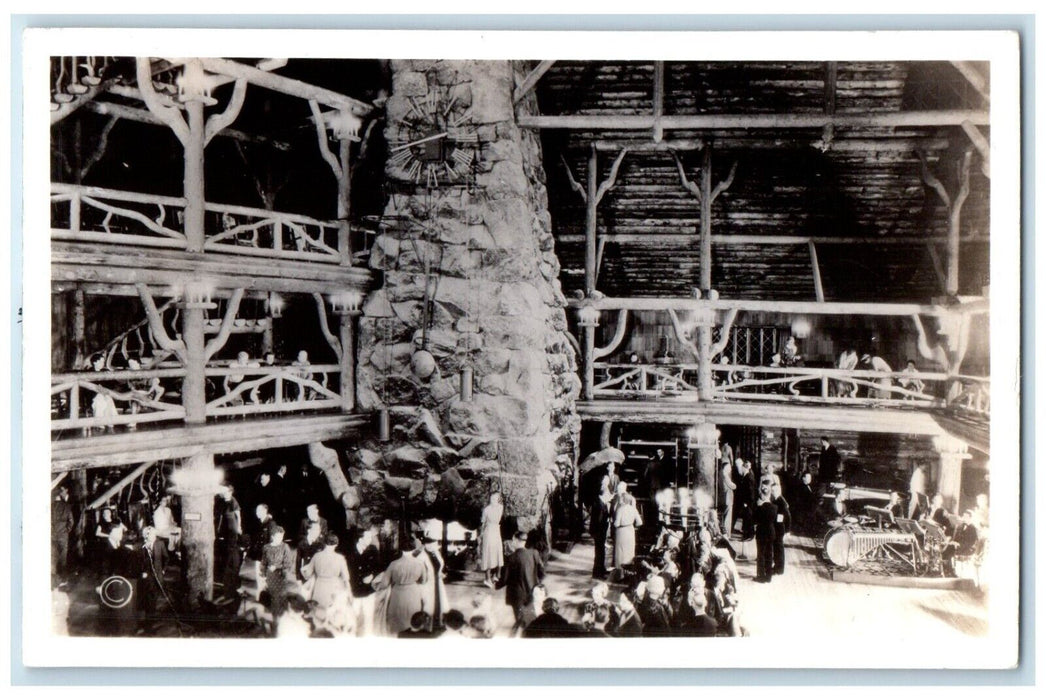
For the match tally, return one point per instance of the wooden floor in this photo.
(805, 597)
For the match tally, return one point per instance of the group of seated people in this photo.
(955, 538)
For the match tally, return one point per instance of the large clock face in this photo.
(436, 142)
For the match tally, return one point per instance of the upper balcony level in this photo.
(110, 237)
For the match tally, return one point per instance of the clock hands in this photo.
(416, 142)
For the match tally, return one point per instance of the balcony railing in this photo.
(795, 385)
(128, 398)
(99, 215)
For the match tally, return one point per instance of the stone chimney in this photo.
(494, 305)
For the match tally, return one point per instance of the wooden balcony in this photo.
(792, 397)
(115, 400)
(112, 240)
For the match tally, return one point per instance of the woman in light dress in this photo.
(626, 520)
(491, 548)
(401, 588)
(328, 573)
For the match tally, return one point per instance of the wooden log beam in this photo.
(531, 81)
(828, 308)
(974, 77)
(779, 415)
(640, 122)
(982, 146)
(115, 265)
(756, 239)
(119, 485)
(145, 117)
(285, 85)
(224, 437)
(885, 144)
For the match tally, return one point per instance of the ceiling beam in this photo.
(822, 308)
(973, 77)
(285, 85)
(146, 117)
(881, 145)
(729, 239)
(531, 81)
(645, 122)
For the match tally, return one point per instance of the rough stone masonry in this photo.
(483, 257)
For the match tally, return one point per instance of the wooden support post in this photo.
(706, 220)
(193, 187)
(589, 362)
(194, 386)
(79, 329)
(590, 223)
(954, 206)
(949, 480)
(705, 479)
(659, 99)
(818, 288)
(344, 202)
(348, 361)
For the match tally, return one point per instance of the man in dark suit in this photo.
(61, 526)
(963, 543)
(599, 520)
(765, 518)
(312, 515)
(744, 499)
(523, 571)
(828, 464)
(782, 524)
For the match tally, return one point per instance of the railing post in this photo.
(74, 401)
(74, 212)
(824, 386)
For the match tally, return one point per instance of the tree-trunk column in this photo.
(949, 480)
(193, 185)
(704, 479)
(348, 361)
(196, 483)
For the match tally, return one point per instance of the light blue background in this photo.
(1024, 675)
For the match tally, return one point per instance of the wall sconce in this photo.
(194, 482)
(347, 302)
(276, 305)
(194, 85)
(703, 435)
(946, 444)
(801, 327)
(588, 316)
(344, 125)
(197, 295)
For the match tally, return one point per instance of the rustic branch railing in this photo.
(796, 384)
(100, 215)
(108, 399)
(280, 389)
(128, 398)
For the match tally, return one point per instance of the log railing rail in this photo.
(797, 384)
(280, 389)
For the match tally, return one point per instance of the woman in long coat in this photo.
(403, 581)
(626, 520)
(491, 548)
(278, 567)
(328, 572)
